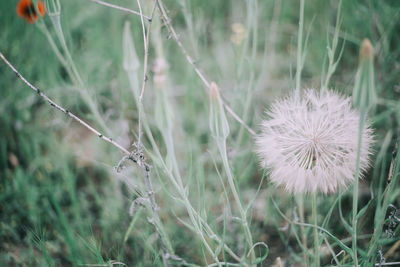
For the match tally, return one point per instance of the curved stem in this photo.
(231, 182)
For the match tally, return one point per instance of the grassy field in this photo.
(182, 91)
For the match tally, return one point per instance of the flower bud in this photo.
(366, 50)
(364, 95)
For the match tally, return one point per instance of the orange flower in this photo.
(27, 11)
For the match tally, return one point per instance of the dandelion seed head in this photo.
(310, 144)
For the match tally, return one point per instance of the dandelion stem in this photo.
(355, 188)
(300, 202)
(315, 222)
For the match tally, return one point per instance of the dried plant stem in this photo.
(121, 8)
(167, 248)
(315, 222)
(67, 112)
(165, 244)
(146, 40)
(199, 73)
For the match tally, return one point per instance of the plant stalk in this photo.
(315, 222)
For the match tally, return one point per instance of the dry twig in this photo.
(120, 8)
(64, 110)
(146, 40)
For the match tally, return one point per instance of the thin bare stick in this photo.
(146, 40)
(120, 8)
(196, 69)
(70, 114)
(149, 187)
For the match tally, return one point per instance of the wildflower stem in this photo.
(43, 28)
(300, 202)
(231, 182)
(355, 188)
(198, 227)
(315, 222)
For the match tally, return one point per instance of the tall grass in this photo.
(180, 91)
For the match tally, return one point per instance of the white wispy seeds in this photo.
(310, 144)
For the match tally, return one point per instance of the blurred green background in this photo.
(61, 201)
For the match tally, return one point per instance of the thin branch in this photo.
(147, 180)
(196, 69)
(120, 8)
(236, 117)
(146, 47)
(146, 40)
(70, 114)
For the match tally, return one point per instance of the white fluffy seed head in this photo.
(310, 144)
